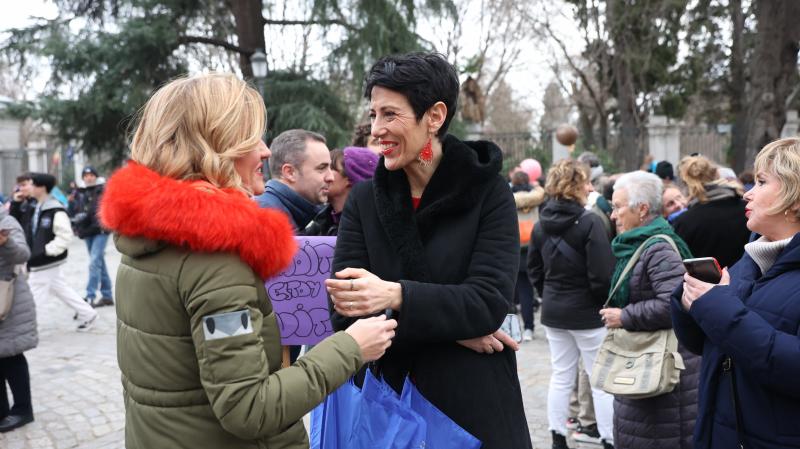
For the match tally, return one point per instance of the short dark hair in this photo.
(337, 160)
(289, 147)
(23, 177)
(520, 178)
(664, 170)
(43, 180)
(423, 78)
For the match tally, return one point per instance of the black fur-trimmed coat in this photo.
(456, 258)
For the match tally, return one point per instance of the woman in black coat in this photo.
(714, 225)
(570, 263)
(433, 239)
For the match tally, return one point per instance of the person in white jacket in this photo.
(49, 232)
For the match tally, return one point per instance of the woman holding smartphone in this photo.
(746, 326)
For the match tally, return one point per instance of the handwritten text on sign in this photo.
(298, 294)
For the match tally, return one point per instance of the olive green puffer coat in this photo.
(185, 385)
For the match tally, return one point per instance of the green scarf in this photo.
(625, 244)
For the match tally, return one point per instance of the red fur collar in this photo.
(139, 202)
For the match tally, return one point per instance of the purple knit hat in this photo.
(359, 164)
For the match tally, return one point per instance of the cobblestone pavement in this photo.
(77, 395)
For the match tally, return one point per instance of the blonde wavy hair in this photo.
(782, 159)
(567, 180)
(696, 172)
(195, 127)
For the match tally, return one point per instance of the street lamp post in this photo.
(258, 62)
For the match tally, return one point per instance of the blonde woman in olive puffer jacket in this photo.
(197, 339)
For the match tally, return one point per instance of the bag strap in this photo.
(727, 366)
(566, 249)
(635, 258)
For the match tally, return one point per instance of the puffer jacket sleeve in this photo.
(16, 250)
(771, 357)
(689, 334)
(249, 401)
(63, 235)
(477, 306)
(664, 269)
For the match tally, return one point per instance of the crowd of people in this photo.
(434, 249)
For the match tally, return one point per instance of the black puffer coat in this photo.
(664, 421)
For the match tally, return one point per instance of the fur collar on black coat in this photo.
(463, 172)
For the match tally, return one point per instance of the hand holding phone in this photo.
(706, 269)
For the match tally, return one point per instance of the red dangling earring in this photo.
(426, 155)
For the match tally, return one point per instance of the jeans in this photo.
(98, 273)
(14, 370)
(524, 295)
(566, 347)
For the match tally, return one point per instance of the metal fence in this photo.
(712, 143)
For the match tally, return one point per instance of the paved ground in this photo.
(77, 395)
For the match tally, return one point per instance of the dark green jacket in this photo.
(182, 388)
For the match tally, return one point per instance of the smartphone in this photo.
(512, 327)
(704, 268)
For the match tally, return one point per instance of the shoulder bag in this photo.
(642, 364)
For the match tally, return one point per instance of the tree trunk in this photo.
(736, 88)
(628, 151)
(774, 70)
(586, 122)
(249, 30)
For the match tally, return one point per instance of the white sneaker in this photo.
(527, 335)
(88, 324)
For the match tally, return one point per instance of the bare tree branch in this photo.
(323, 22)
(217, 42)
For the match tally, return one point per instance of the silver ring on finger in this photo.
(350, 305)
(352, 286)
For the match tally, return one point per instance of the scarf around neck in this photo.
(624, 245)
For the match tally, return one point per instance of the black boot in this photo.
(559, 441)
(12, 422)
(607, 445)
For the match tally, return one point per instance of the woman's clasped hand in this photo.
(357, 292)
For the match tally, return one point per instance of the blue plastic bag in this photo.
(442, 432)
(384, 422)
(376, 417)
(332, 421)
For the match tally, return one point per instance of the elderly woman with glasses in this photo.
(642, 304)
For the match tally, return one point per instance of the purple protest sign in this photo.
(298, 294)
